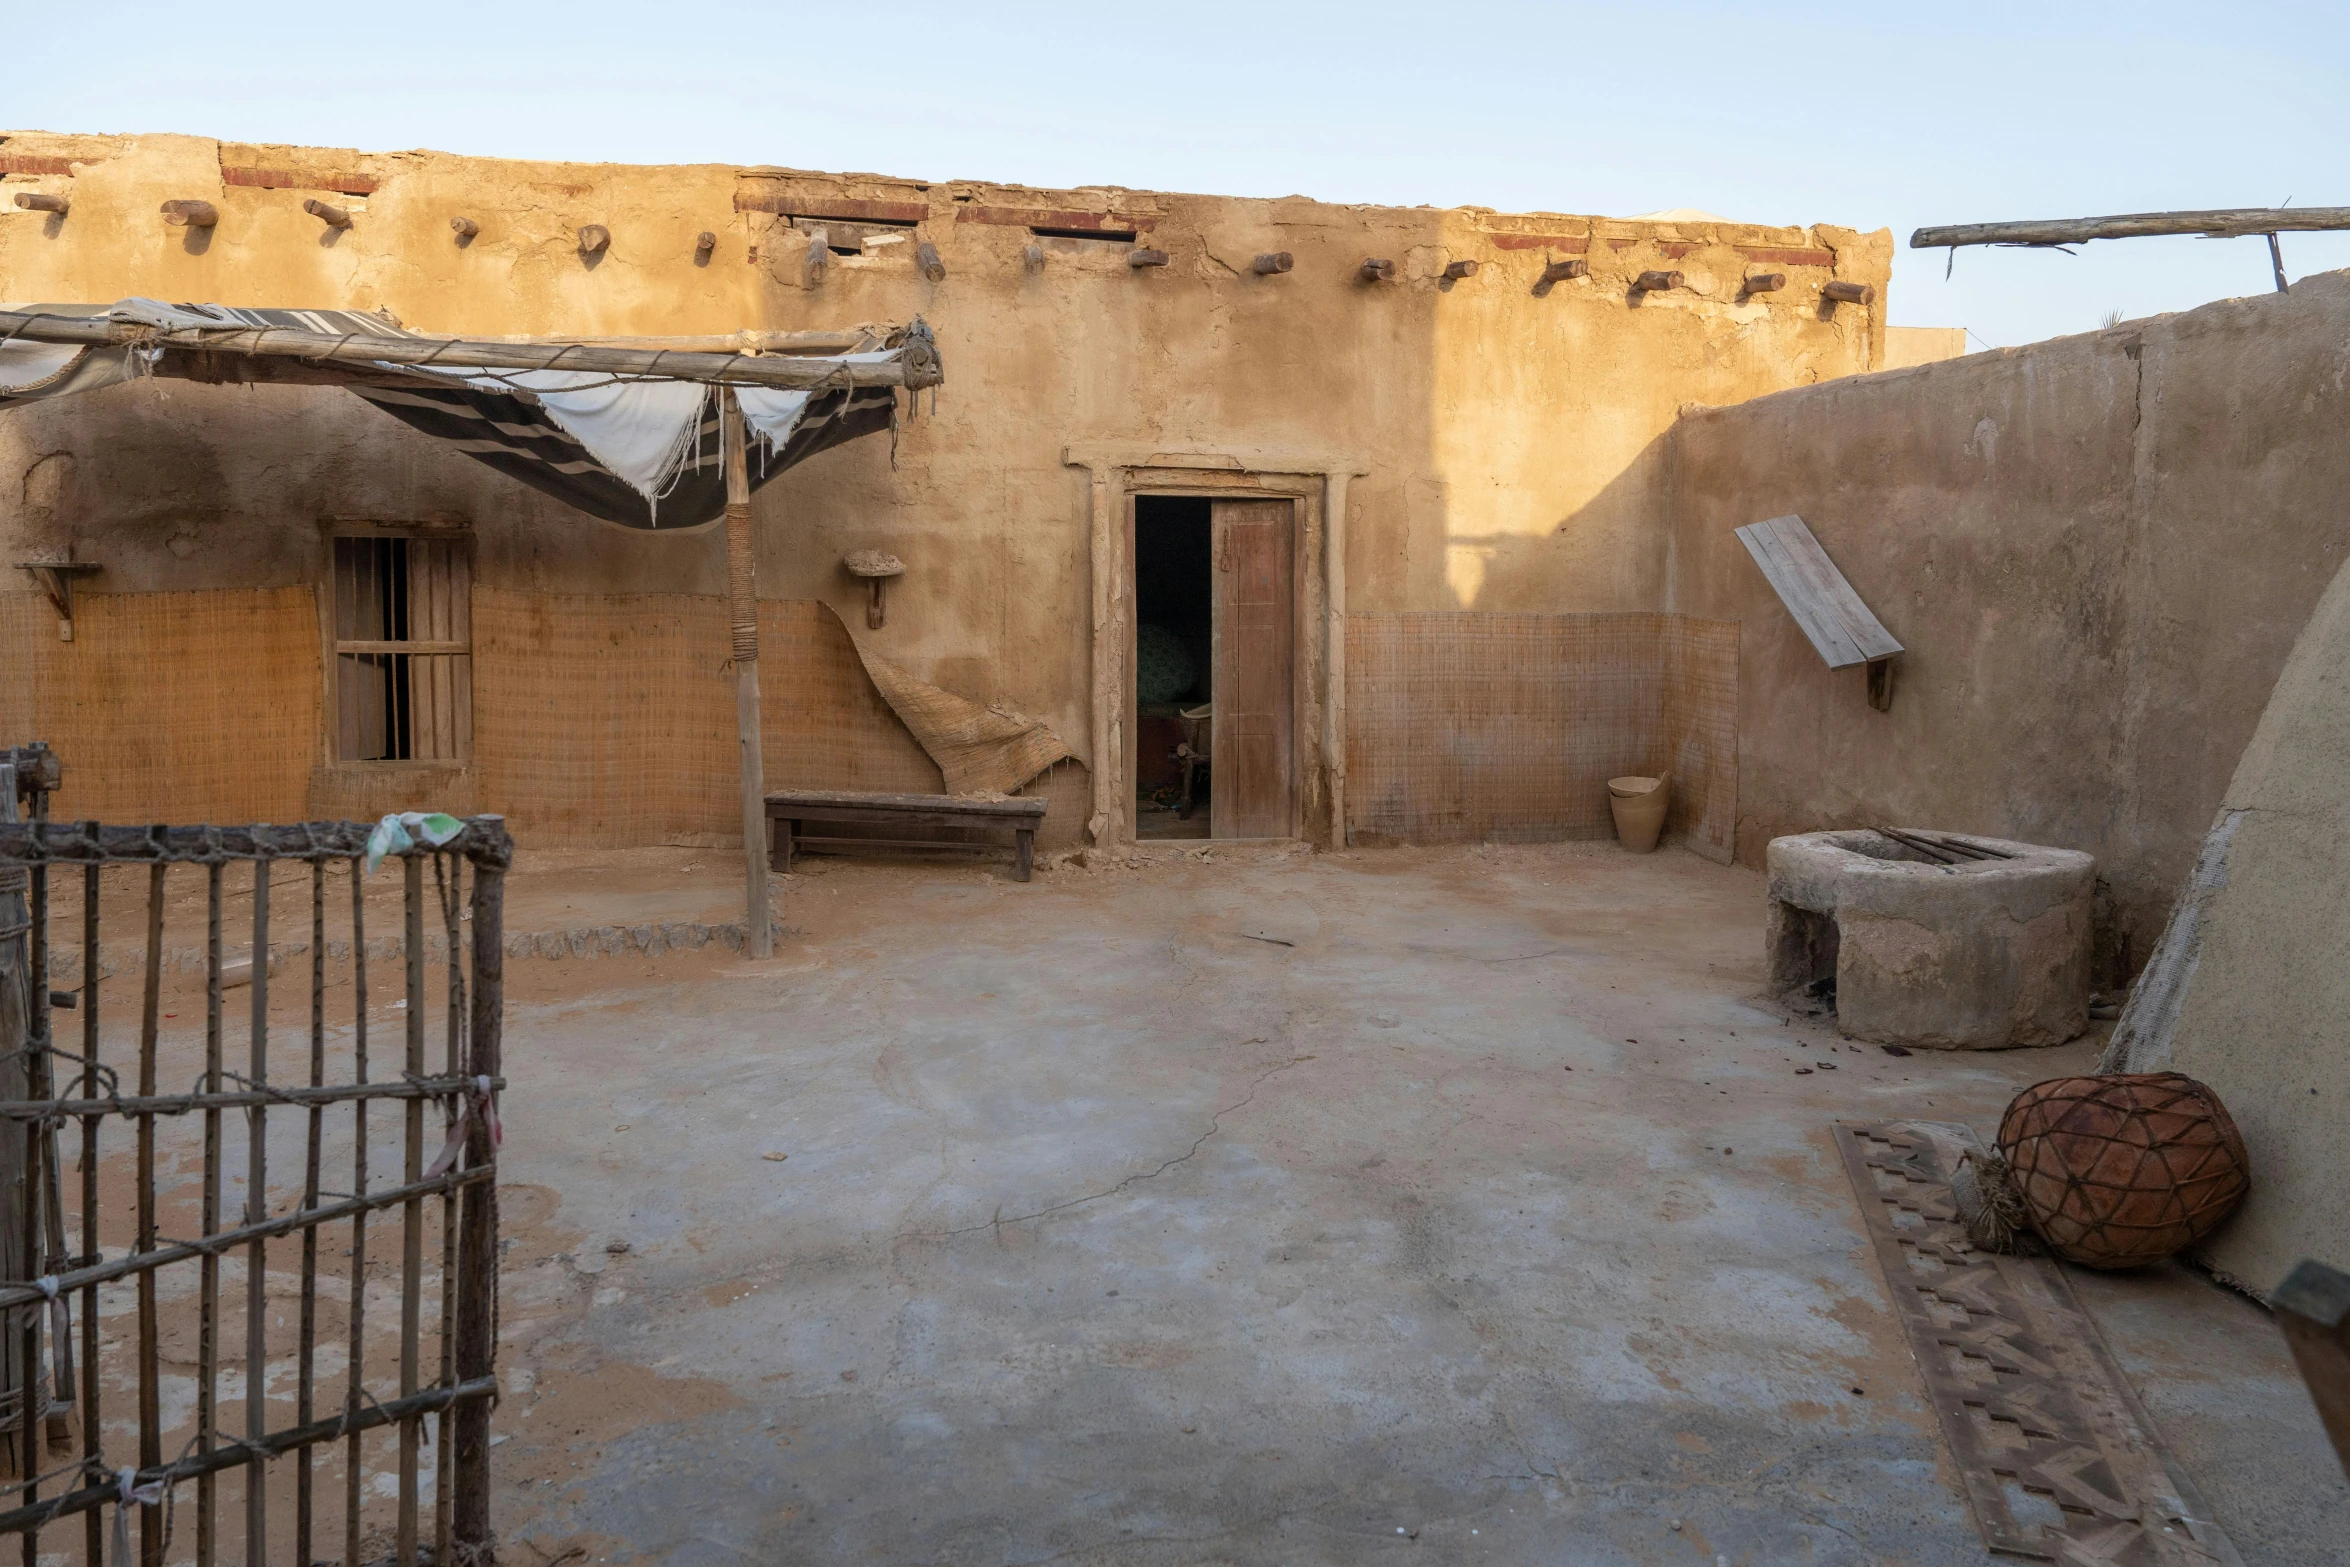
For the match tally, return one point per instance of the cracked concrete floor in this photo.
(1461, 1205)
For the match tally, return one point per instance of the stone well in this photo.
(1978, 955)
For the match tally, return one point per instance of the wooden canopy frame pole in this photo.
(742, 605)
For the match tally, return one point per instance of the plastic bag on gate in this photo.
(398, 832)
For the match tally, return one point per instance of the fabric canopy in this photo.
(641, 451)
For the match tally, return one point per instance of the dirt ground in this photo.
(1228, 1205)
(1276, 1208)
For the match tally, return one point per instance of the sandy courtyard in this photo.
(1458, 1205)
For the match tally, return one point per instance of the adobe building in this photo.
(1462, 463)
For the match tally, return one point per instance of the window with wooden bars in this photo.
(403, 648)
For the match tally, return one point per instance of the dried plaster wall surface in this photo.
(2098, 551)
(1504, 438)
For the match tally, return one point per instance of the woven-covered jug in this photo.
(2117, 1172)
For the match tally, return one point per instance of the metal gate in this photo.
(113, 1183)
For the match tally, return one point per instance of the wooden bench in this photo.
(788, 808)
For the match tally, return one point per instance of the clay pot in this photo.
(1639, 807)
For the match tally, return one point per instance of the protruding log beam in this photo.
(2220, 223)
(332, 217)
(1561, 271)
(1849, 293)
(1143, 256)
(34, 201)
(1271, 262)
(1656, 282)
(594, 239)
(704, 243)
(190, 214)
(1376, 269)
(464, 228)
(819, 256)
(928, 263)
(1764, 282)
(1461, 269)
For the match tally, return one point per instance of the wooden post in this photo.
(2313, 1307)
(1334, 647)
(1849, 293)
(1108, 737)
(490, 851)
(742, 604)
(19, 1374)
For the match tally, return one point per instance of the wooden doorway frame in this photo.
(1316, 486)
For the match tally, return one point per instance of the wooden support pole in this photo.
(333, 217)
(742, 603)
(918, 366)
(2221, 223)
(1377, 269)
(2313, 1307)
(1334, 647)
(819, 257)
(1271, 262)
(190, 214)
(477, 1236)
(928, 263)
(1849, 293)
(1109, 741)
(34, 201)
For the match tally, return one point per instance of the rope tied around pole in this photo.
(742, 563)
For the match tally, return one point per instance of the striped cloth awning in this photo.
(640, 452)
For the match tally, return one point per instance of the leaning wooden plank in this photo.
(1819, 577)
(1824, 631)
(1873, 640)
(1839, 626)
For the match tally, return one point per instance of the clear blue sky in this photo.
(1864, 115)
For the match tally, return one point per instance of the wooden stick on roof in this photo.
(2224, 223)
(916, 365)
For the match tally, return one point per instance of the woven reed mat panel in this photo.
(607, 720)
(2058, 1459)
(825, 726)
(1701, 729)
(181, 707)
(1467, 726)
(603, 720)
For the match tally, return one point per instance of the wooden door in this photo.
(1253, 786)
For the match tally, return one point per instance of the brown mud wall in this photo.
(2098, 551)
(1475, 726)
(1502, 441)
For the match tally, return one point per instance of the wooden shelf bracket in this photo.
(56, 579)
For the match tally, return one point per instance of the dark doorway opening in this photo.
(1174, 655)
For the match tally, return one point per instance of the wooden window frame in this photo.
(331, 647)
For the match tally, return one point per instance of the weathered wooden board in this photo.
(1254, 789)
(2039, 1417)
(1816, 594)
